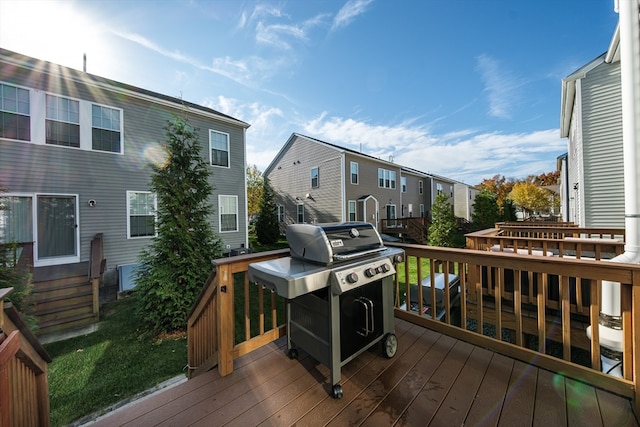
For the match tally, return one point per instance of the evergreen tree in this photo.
(267, 227)
(443, 223)
(485, 211)
(176, 265)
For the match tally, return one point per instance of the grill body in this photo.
(339, 302)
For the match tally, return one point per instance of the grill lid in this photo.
(328, 243)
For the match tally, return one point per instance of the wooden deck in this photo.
(432, 380)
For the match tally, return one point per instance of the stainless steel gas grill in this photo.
(339, 287)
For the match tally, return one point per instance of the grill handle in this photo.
(352, 255)
(369, 326)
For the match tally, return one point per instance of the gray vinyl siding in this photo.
(412, 195)
(602, 147)
(290, 178)
(106, 177)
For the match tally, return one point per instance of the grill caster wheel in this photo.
(389, 345)
(336, 392)
(293, 353)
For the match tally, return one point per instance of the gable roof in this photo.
(66, 73)
(343, 150)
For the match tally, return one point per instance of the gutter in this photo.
(610, 322)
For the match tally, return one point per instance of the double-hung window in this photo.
(62, 124)
(420, 187)
(228, 207)
(300, 213)
(15, 113)
(219, 148)
(141, 207)
(403, 183)
(386, 179)
(280, 213)
(315, 177)
(352, 210)
(106, 130)
(354, 172)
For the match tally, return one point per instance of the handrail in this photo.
(512, 315)
(211, 333)
(24, 390)
(510, 291)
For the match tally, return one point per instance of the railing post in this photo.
(226, 316)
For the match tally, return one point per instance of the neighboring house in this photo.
(318, 182)
(75, 154)
(592, 190)
(464, 197)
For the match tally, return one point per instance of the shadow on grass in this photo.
(94, 371)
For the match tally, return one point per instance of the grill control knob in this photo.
(370, 272)
(384, 268)
(352, 277)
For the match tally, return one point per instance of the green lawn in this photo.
(92, 372)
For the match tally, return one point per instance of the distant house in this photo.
(318, 182)
(76, 150)
(592, 189)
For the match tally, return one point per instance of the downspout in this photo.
(610, 322)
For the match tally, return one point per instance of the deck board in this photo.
(432, 380)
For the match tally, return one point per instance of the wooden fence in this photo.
(24, 390)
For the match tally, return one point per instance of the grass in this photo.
(94, 371)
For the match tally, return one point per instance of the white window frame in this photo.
(357, 173)
(71, 259)
(420, 187)
(281, 213)
(386, 178)
(403, 183)
(316, 178)
(352, 211)
(422, 210)
(30, 114)
(211, 132)
(89, 120)
(300, 213)
(155, 214)
(62, 120)
(222, 211)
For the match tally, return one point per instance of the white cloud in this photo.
(465, 155)
(349, 12)
(500, 86)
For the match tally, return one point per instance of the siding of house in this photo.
(30, 167)
(575, 172)
(290, 178)
(413, 197)
(602, 147)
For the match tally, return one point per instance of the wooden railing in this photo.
(525, 324)
(226, 300)
(414, 227)
(24, 390)
(558, 231)
(507, 322)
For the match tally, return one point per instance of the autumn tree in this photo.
(530, 198)
(500, 186)
(254, 189)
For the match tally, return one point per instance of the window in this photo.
(420, 187)
(421, 210)
(352, 210)
(280, 213)
(106, 129)
(315, 177)
(300, 213)
(62, 121)
(219, 148)
(15, 219)
(15, 119)
(354, 172)
(386, 178)
(141, 207)
(228, 207)
(403, 183)
(438, 188)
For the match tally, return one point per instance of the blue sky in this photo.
(465, 89)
